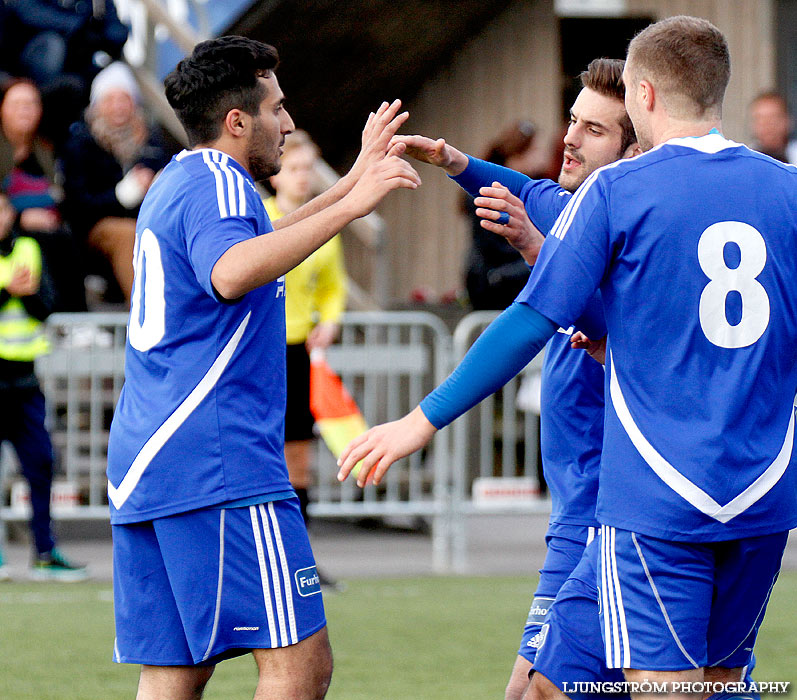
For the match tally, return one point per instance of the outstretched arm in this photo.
(507, 345)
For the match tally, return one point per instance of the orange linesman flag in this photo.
(337, 416)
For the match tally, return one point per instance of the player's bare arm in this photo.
(438, 153)
(379, 129)
(384, 444)
(519, 232)
(260, 260)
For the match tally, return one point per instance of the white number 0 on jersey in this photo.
(146, 332)
(723, 280)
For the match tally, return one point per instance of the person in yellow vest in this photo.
(26, 299)
(315, 297)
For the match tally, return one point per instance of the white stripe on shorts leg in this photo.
(261, 560)
(607, 637)
(116, 654)
(661, 602)
(590, 534)
(272, 557)
(215, 630)
(614, 636)
(286, 574)
(625, 659)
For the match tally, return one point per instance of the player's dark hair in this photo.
(219, 75)
(687, 59)
(605, 76)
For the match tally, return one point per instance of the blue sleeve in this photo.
(574, 259)
(544, 200)
(209, 233)
(507, 345)
(481, 173)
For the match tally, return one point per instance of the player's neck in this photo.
(676, 128)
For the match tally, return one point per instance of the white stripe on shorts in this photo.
(661, 602)
(215, 630)
(272, 628)
(605, 598)
(286, 574)
(626, 658)
(275, 578)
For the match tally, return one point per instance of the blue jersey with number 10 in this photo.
(694, 248)
(200, 420)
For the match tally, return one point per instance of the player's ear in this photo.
(235, 122)
(647, 94)
(633, 150)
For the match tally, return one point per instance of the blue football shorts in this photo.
(202, 586)
(670, 606)
(571, 647)
(565, 545)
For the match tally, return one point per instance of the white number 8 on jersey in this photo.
(723, 280)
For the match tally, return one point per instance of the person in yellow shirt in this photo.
(315, 297)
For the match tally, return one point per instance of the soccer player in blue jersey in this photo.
(599, 133)
(692, 247)
(211, 556)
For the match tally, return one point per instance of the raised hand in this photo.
(519, 232)
(379, 129)
(384, 444)
(383, 176)
(23, 283)
(437, 153)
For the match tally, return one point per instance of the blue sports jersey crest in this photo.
(200, 418)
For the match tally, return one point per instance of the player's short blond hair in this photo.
(687, 60)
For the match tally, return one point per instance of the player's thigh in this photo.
(243, 578)
(563, 552)
(746, 571)
(572, 654)
(303, 669)
(656, 600)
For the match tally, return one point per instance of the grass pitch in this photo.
(418, 639)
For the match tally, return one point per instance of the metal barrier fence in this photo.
(388, 361)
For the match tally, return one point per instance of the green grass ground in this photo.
(418, 639)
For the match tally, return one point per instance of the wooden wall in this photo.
(512, 71)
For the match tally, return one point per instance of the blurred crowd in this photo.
(77, 149)
(78, 152)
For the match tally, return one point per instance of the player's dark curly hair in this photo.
(219, 75)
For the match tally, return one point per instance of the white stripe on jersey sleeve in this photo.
(206, 156)
(680, 484)
(232, 197)
(120, 494)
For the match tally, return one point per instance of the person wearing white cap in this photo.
(109, 162)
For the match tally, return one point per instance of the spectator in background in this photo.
(61, 45)
(496, 272)
(315, 297)
(109, 162)
(26, 299)
(771, 125)
(28, 176)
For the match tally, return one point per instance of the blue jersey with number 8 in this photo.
(694, 248)
(200, 420)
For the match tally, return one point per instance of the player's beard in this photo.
(263, 156)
